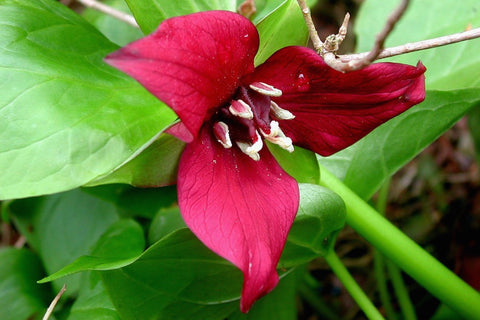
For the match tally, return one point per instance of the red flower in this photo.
(232, 193)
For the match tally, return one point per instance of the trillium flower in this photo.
(232, 193)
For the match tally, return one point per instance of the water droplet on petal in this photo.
(302, 83)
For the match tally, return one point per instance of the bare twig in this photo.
(417, 46)
(54, 303)
(110, 11)
(381, 37)
(317, 43)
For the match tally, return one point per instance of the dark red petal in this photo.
(333, 109)
(240, 208)
(192, 63)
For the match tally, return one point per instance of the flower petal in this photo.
(192, 63)
(332, 109)
(240, 208)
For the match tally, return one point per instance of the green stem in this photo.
(352, 287)
(401, 291)
(405, 253)
(378, 267)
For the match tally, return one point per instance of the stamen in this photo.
(241, 109)
(279, 113)
(220, 130)
(266, 89)
(277, 136)
(251, 149)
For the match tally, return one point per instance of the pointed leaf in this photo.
(320, 217)
(155, 166)
(301, 164)
(65, 116)
(119, 246)
(176, 276)
(63, 227)
(149, 14)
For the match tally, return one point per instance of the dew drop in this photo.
(302, 82)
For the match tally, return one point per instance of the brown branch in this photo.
(122, 16)
(381, 37)
(417, 46)
(317, 43)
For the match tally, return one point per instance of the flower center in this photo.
(251, 116)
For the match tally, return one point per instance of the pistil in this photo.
(247, 120)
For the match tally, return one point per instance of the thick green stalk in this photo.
(352, 286)
(405, 253)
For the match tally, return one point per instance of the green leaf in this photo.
(65, 116)
(449, 67)
(281, 28)
(301, 164)
(149, 14)
(280, 304)
(119, 246)
(115, 30)
(176, 278)
(179, 277)
(135, 202)
(165, 222)
(93, 301)
(320, 217)
(367, 164)
(20, 296)
(155, 166)
(63, 227)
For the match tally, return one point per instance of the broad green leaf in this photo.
(155, 166)
(176, 278)
(320, 216)
(63, 227)
(135, 202)
(93, 301)
(119, 246)
(281, 28)
(165, 222)
(364, 166)
(65, 116)
(263, 8)
(149, 14)
(280, 304)
(301, 164)
(450, 67)
(115, 30)
(21, 298)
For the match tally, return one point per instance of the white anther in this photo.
(277, 136)
(279, 113)
(250, 149)
(241, 109)
(221, 132)
(266, 89)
